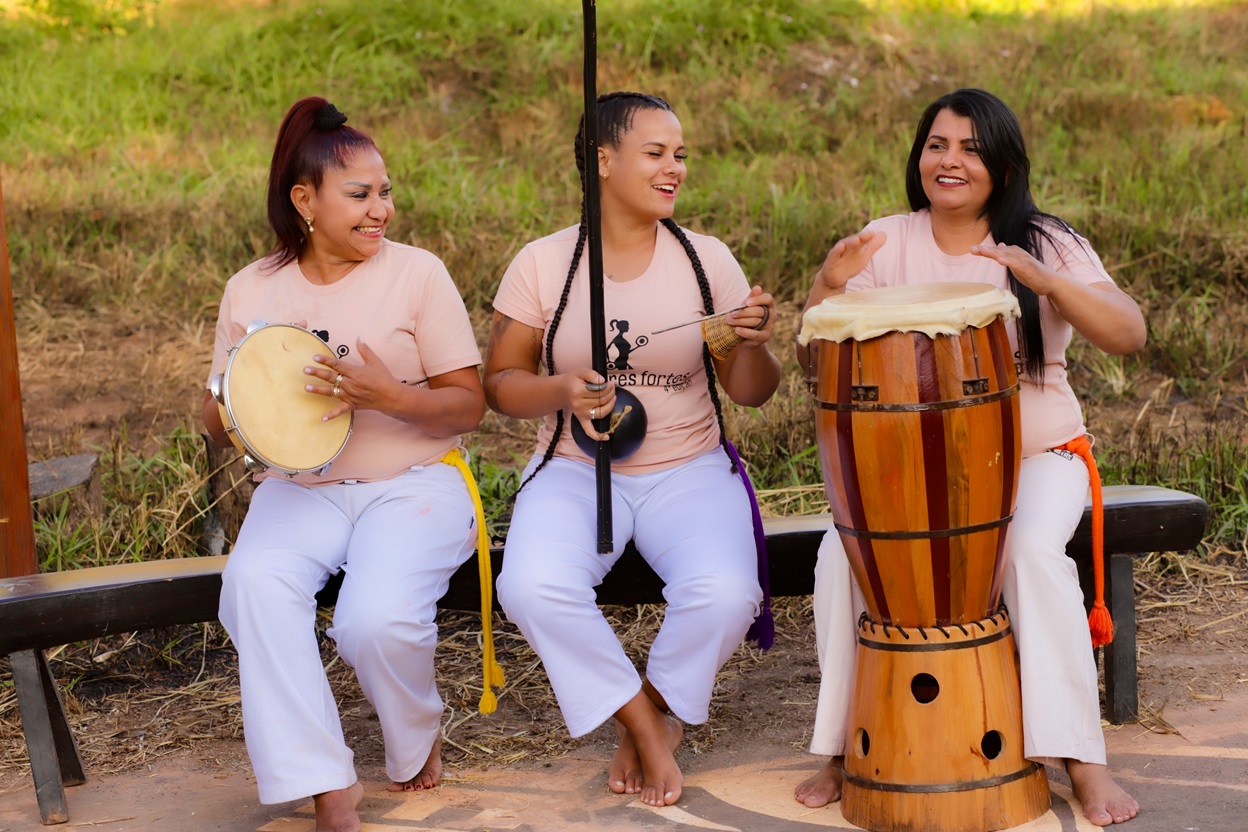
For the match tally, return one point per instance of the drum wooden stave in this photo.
(919, 444)
(268, 413)
(937, 733)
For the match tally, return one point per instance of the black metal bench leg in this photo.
(54, 760)
(1122, 702)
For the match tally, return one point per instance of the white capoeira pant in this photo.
(397, 542)
(691, 523)
(1061, 703)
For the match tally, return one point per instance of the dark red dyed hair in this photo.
(313, 137)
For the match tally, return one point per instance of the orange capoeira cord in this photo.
(1100, 622)
(494, 677)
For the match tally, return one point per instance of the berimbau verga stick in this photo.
(597, 318)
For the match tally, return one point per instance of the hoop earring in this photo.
(308, 220)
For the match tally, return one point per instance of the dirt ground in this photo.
(163, 706)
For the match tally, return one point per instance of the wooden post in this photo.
(17, 530)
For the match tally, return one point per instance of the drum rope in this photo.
(1100, 622)
(493, 672)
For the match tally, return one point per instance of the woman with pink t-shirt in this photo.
(392, 512)
(974, 220)
(677, 497)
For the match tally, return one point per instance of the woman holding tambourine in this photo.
(393, 358)
(675, 489)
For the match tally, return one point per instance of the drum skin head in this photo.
(930, 308)
(267, 409)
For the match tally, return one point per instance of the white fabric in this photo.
(398, 542)
(692, 525)
(1061, 716)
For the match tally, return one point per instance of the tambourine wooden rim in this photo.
(268, 413)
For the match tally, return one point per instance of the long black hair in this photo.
(615, 119)
(1013, 217)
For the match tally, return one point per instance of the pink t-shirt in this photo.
(1051, 414)
(664, 371)
(404, 305)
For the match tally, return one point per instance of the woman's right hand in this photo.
(848, 258)
(585, 402)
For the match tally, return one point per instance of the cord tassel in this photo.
(763, 630)
(493, 676)
(1100, 622)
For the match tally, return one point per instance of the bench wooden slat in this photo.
(40, 611)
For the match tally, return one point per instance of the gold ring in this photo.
(337, 391)
(592, 411)
(338, 380)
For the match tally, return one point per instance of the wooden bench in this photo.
(42, 611)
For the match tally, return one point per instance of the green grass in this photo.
(135, 135)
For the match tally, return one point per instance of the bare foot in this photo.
(1104, 801)
(335, 811)
(661, 776)
(823, 787)
(656, 736)
(624, 771)
(428, 777)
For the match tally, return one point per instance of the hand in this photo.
(849, 257)
(1029, 271)
(756, 321)
(357, 386)
(586, 404)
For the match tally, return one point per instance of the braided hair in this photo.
(615, 119)
(1013, 217)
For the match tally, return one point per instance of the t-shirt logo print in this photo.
(622, 347)
(342, 350)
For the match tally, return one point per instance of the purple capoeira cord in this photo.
(763, 630)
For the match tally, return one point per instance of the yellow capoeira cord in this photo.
(493, 673)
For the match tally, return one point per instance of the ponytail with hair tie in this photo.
(328, 118)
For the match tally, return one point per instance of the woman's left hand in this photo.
(1029, 271)
(756, 321)
(357, 386)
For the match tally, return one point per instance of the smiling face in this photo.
(954, 177)
(642, 176)
(351, 209)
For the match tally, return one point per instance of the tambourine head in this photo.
(629, 433)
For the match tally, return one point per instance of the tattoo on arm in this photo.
(496, 380)
(501, 324)
(535, 347)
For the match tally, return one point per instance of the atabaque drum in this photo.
(267, 413)
(936, 731)
(917, 423)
